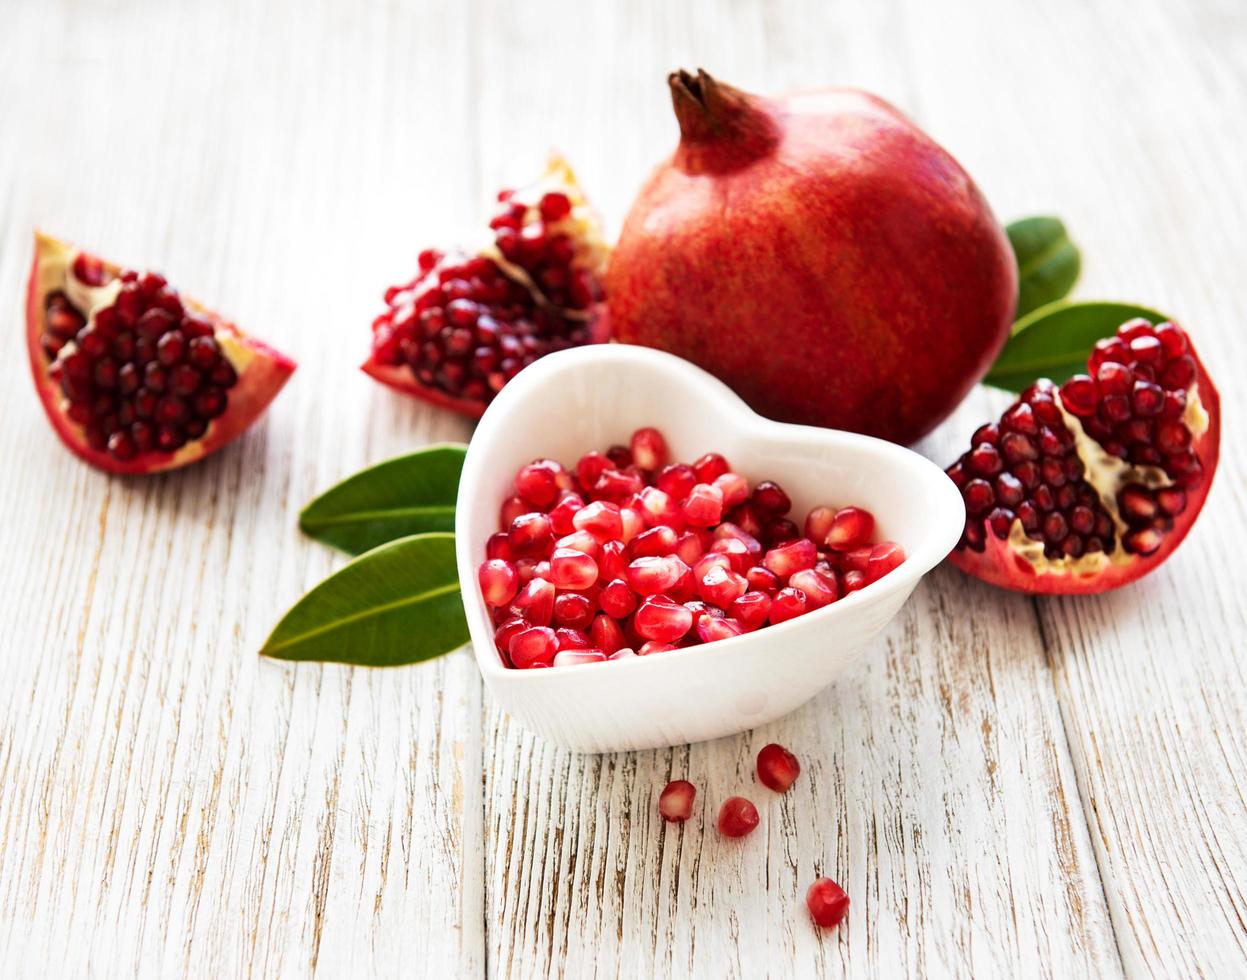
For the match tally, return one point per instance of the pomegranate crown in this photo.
(721, 127)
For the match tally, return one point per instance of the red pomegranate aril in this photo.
(573, 570)
(562, 515)
(571, 638)
(740, 558)
(675, 803)
(789, 558)
(649, 449)
(769, 498)
(573, 610)
(762, 579)
(787, 604)
(590, 467)
(530, 534)
(751, 610)
(737, 817)
(851, 528)
(710, 467)
(617, 600)
(655, 542)
(537, 644)
(535, 602)
(778, 768)
(712, 628)
(538, 483)
(607, 635)
(827, 902)
(574, 658)
(623, 653)
(818, 523)
(820, 589)
(721, 586)
(676, 481)
(498, 546)
(688, 548)
(499, 582)
(660, 618)
(703, 507)
(652, 575)
(650, 647)
(601, 519)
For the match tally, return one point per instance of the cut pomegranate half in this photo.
(470, 321)
(1085, 487)
(134, 377)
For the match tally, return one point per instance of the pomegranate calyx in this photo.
(710, 112)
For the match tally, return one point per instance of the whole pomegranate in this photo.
(818, 253)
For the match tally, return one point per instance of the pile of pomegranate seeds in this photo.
(144, 374)
(466, 324)
(630, 555)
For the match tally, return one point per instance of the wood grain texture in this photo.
(1004, 786)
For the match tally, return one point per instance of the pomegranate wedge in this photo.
(134, 377)
(471, 320)
(1088, 486)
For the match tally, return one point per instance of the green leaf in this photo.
(1055, 340)
(411, 494)
(1048, 262)
(397, 604)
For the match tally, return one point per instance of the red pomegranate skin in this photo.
(821, 255)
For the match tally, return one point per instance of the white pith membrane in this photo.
(55, 274)
(1108, 474)
(582, 225)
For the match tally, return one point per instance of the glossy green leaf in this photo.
(412, 494)
(397, 604)
(1055, 341)
(1048, 262)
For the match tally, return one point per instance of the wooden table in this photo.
(1004, 786)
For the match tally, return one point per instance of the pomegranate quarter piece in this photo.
(470, 320)
(828, 903)
(134, 377)
(1086, 486)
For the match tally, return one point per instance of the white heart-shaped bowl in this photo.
(592, 397)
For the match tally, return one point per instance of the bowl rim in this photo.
(947, 519)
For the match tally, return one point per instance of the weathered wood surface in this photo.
(1004, 786)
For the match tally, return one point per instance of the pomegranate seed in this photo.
(721, 586)
(884, 557)
(655, 646)
(651, 575)
(854, 580)
(572, 569)
(703, 507)
(688, 548)
(573, 658)
(554, 206)
(769, 498)
(820, 588)
(751, 609)
(617, 599)
(649, 449)
(789, 558)
(535, 602)
(657, 508)
(660, 618)
(827, 902)
(621, 456)
(676, 481)
(712, 628)
(818, 523)
(762, 579)
(778, 768)
(737, 553)
(1172, 339)
(601, 519)
(581, 541)
(617, 485)
(530, 534)
(734, 487)
(675, 803)
(851, 528)
(655, 542)
(623, 653)
(606, 635)
(499, 582)
(633, 523)
(573, 610)
(538, 483)
(570, 638)
(737, 817)
(589, 469)
(788, 604)
(611, 563)
(779, 531)
(512, 508)
(710, 467)
(537, 644)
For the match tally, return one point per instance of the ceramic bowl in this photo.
(592, 397)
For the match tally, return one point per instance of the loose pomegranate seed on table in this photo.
(737, 817)
(641, 555)
(675, 803)
(828, 903)
(778, 768)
